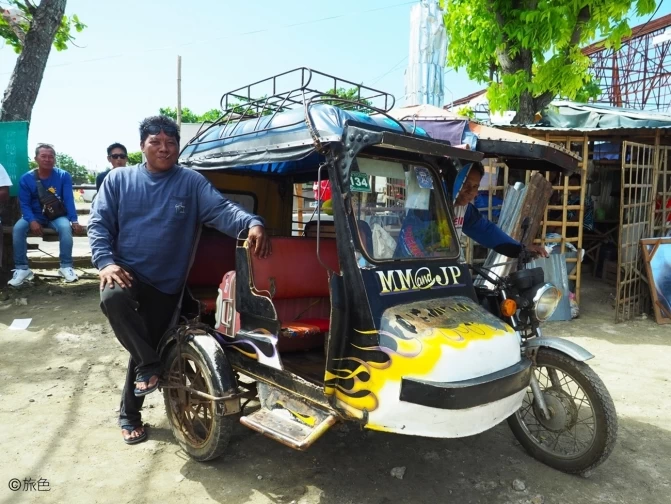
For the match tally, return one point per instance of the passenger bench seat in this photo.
(298, 285)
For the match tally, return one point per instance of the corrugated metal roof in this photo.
(550, 129)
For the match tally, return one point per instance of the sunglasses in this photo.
(118, 156)
(155, 130)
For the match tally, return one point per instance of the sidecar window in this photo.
(403, 205)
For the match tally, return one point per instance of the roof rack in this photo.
(297, 87)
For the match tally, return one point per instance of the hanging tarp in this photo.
(14, 151)
(572, 115)
(517, 151)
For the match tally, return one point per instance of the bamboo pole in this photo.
(655, 181)
(619, 279)
(581, 216)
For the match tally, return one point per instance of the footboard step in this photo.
(291, 428)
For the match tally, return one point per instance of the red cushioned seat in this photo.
(209, 305)
(303, 328)
(299, 286)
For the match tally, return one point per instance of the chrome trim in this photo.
(539, 293)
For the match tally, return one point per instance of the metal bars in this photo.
(638, 74)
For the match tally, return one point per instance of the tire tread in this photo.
(607, 415)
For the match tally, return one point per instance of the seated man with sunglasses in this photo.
(117, 155)
(142, 229)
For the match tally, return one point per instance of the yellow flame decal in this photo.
(411, 358)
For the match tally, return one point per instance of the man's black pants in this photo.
(139, 315)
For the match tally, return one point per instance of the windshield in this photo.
(400, 211)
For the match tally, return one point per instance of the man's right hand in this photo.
(114, 274)
(36, 228)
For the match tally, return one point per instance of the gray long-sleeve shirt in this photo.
(148, 222)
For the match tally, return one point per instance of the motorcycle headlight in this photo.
(545, 301)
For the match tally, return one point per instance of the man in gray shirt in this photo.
(142, 230)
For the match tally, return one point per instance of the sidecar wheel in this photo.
(198, 426)
(581, 431)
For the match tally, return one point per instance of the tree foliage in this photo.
(134, 158)
(241, 108)
(188, 116)
(79, 173)
(351, 94)
(31, 29)
(466, 111)
(529, 51)
(16, 20)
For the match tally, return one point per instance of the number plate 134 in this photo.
(358, 182)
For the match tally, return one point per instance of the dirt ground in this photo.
(59, 392)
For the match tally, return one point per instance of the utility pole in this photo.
(179, 91)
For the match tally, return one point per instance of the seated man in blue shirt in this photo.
(142, 229)
(55, 183)
(469, 220)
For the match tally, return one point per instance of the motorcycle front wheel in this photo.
(581, 430)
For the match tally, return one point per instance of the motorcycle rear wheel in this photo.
(202, 432)
(579, 403)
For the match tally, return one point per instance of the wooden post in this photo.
(655, 181)
(298, 189)
(179, 91)
(581, 216)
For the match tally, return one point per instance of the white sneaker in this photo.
(69, 274)
(20, 276)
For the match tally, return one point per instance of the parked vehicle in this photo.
(337, 325)
(85, 192)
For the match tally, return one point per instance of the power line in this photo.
(653, 15)
(402, 60)
(233, 35)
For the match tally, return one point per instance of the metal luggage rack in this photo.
(298, 88)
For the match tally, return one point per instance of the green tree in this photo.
(191, 117)
(529, 51)
(351, 94)
(466, 111)
(241, 108)
(134, 158)
(79, 173)
(31, 29)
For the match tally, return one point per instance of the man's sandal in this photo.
(130, 429)
(146, 379)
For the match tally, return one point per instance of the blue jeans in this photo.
(20, 235)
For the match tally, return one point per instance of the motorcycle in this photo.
(567, 419)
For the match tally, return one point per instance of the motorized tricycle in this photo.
(346, 321)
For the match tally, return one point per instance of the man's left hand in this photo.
(537, 250)
(77, 228)
(258, 241)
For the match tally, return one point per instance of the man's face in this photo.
(46, 158)
(117, 158)
(161, 151)
(469, 190)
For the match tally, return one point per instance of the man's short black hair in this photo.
(44, 146)
(116, 145)
(162, 122)
(477, 166)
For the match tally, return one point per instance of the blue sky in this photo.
(125, 66)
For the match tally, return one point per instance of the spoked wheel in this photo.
(582, 426)
(199, 427)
